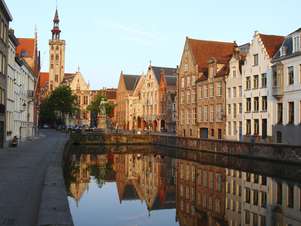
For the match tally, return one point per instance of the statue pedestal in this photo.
(102, 122)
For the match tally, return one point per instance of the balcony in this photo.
(277, 91)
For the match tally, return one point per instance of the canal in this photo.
(148, 186)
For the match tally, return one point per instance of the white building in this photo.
(234, 94)
(287, 90)
(257, 79)
(20, 95)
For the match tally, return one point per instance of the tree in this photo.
(95, 105)
(59, 104)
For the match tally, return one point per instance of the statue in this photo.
(102, 118)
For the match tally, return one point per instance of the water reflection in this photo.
(132, 186)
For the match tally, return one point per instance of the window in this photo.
(212, 132)
(248, 177)
(240, 91)
(193, 80)
(248, 125)
(248, 83)
(290, 196)
(229, 109)
(205, 113)
(296, 43)
(182, 97)
(263, 201)
(248, 105)
(200, 92)
(211, 113)
(255, 219)
(188, 97)
(188, 81)
(290, 75)
(255, 82)
(282, 51)
(205, 91)
(262, 220)
(234, 91)
(248, 195)
(247, 217)
(200, 114)
(182, 82)
(279, 113)
(234, 128)
(56, 78)
(219, 89)
(291, 116)
(256, 126)
(279, 193)
(211, 181)
(255, 59)
(205, 178)
(219, 112)
(211, 90)
(234, 110)
(85, 100)
(240, 108)
(255, 198)
(234, 73)
(229, 129)
(193, 96)
(256, 104)
(263, 80)
(264, 102)
(229, 92)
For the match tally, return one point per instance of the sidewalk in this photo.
(22, 173)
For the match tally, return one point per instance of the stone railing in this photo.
(277, 152)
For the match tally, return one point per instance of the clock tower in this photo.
(56, 55)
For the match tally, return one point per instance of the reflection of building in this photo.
(285, 202)
(149, 178)
(82, 168)
(200, 194)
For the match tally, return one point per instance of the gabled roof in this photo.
(26, 47)
(68, 77)
(166, 71)
(43, 79)
(203, 50)
(131, 81)
(271, 43)
(287, 46)
(171, 80)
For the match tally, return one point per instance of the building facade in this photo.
(234, 94)
(124, 101)
(257, 79)
(4, 45)
(286, 88)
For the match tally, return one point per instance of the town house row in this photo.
(250, 92)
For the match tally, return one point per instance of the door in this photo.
(1, 134)
(264, 128)
(204, 133)
(219, 134)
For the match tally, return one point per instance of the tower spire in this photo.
(56, 28)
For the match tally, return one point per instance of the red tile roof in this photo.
(271, 43)
(26, 47)
(203, 50)
(43, 79)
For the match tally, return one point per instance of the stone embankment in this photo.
(275, 152)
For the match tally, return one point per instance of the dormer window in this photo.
(296, 43)
(282, 51)
(24, 53)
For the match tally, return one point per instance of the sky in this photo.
(104, 38)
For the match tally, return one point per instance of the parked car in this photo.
(45, 126)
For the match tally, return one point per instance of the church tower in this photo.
(56, 55)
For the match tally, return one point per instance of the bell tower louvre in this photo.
(56, 55)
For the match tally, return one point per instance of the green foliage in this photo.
(60, 103)
(95, 105)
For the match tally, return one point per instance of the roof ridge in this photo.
(271, 35)
(213, 41)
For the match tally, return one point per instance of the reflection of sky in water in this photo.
(101, 206)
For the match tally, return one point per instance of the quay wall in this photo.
(276, 152)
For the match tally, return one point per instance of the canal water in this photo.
(152, 186)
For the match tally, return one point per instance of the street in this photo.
(22, 173)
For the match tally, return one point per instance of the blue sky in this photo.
(105, 37)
